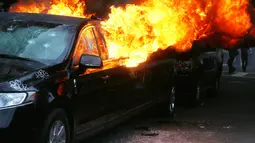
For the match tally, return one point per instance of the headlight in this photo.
(12, 99)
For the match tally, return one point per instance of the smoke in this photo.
(102, 7)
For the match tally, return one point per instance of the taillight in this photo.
(183, 66)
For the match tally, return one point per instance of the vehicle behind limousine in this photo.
(198, 73)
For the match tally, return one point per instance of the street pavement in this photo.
(228, 118)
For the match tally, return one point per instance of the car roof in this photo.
(58, 19)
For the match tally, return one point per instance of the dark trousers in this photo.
(244, 57)
(232, 54)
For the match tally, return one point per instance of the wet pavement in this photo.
(228, 118)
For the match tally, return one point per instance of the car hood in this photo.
(14, 68)
(23, 75)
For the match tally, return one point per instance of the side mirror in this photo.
(90, 61)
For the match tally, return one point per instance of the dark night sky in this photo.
(7, 3)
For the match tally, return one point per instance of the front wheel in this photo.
(55, 128)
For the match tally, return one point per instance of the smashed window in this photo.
(90, 39)
(87, 44)
(101, 45)
(38, 41)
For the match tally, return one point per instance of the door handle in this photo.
(105, 77)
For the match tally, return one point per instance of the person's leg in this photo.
(245, 59)
(230, 65)
(232, 54)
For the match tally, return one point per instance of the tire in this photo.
(196, 98)
(56, 122)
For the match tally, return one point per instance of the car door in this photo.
(120, 85)
(91, 100)
(159, 73)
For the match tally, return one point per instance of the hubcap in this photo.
(172, 100)
(57, 133)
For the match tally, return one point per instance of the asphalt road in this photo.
(228, 118)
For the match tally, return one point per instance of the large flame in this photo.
(74, 8)
(135, 31)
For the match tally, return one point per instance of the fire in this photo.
(159, 24)
(137, 30)
(74, 8)
(233, 18)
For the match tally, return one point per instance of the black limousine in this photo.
(58, 85)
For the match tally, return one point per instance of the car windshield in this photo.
(39, 41)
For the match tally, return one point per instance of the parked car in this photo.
(198, 73)
(57, 83)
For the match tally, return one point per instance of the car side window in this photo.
(87, 44)
(90, 40)
(101, 45)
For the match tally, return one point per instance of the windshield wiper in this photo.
(19, 58)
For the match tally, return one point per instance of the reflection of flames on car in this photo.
(135, 31)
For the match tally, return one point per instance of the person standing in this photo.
(245, 52)
(244, 57)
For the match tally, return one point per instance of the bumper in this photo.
(184, 87)
(185, 83)
(17, 121)
(18, 117)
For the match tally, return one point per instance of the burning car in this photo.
(58, 83)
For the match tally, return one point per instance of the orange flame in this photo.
(233, 18)
(74, 8)
(136, 31)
